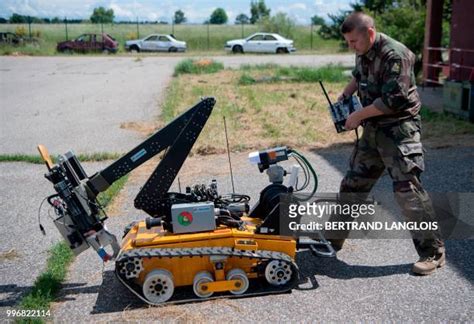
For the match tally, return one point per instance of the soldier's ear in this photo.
(372, 34)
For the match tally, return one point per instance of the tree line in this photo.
(259, 12)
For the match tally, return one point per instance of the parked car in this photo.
(89, 43)
(261, 43)
(156, 43)
(10, 38)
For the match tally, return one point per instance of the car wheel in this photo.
(134, 49)
(237, 49)
(172, 49)
(281, 50)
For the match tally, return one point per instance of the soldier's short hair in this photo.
(357, 21)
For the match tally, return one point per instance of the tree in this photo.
(18, 19)
(258, 10)
(179, 17)
(242, 19)
(332, 30)
(317, 20)
(280, 24)
(405, 24)
(101, 15)
(218, 17)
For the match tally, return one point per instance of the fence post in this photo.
(29, 25)
(138, 31)
(65, 24)
(208, 41)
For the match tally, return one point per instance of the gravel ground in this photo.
(369, 281)
(68, 102)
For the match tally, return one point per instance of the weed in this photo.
(48, 283)
(246, 79)
(202, 66)
(36, 159)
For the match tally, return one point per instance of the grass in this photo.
(48, 284)
(435, 125)
(201, 66)
(288, 109)
(106, 197)
(199, 38)
(267, 105)
(36, 159)
(293, 74)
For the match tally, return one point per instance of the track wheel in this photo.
(278, 272)
(242, 285)
(158, 286)
(202, 277)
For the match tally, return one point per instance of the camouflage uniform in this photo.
(386, 79)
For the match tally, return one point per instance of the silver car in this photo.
(156, 43)
(261, 43)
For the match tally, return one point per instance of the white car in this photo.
(261, 43)
(156, 43)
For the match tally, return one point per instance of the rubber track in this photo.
(204, 252)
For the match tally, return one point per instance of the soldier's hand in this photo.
(341, 97)
(353, 121)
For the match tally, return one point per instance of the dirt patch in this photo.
(145, 128)
(9, 255)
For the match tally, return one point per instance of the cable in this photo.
(315, 177)
(39, 216)
(305, 172)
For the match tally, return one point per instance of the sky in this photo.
(196, 11)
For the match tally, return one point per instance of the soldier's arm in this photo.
(357, 117)
(396, 81)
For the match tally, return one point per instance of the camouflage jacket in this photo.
(385, 78)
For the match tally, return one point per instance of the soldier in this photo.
(385, 82)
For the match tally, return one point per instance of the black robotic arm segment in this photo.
(153, 194)
(161, 140)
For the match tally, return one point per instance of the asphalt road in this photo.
(81, 102)
(369, 281)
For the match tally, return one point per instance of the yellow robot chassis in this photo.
(196, 245)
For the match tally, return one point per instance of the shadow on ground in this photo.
(114, 297)
(445, 172)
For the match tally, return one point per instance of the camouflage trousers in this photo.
(396, 147)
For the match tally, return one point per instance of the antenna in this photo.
(228, 155)
(326, 94)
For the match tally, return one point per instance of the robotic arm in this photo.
(80, 217)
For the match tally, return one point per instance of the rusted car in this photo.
(87, 43)
(10, 38)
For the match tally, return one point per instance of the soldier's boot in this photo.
(428, 265)
(337, 243)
